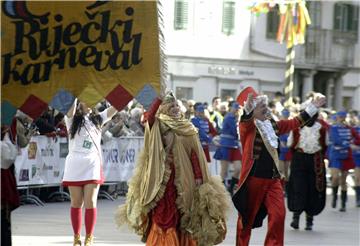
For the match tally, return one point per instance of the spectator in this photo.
(278, 100)
(117, 126)
(274, 113)
(229, 99)
(224, 109)
(13, 136)
(190, 112)
(183, 104)
(45, 123)
(135, 121)
(60, 125)
(215, 116)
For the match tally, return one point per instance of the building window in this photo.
(272, 23)
(315, 13)
(346, 17)
(181, 14)
(225, 94)
(228, 17)
(184, 93)
(347, 102)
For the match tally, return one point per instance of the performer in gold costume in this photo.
(172, 199)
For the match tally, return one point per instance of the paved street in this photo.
(50, 225)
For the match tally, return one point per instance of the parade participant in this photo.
(355, 123)
(83, 172)
(172, 200)
(205, 128)
(15, 136)
(341, 136)
(260, 191)
(284, 150)
(356, 156)
(230, 148)
(307, 182)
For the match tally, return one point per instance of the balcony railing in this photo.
(327, 48)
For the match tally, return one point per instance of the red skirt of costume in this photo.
(165, 220)
(9, 192)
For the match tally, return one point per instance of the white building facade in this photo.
(217, 47)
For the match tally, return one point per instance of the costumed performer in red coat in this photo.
(260, 191)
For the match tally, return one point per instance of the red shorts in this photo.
(234, 155)
(85, 182)
(82, 183)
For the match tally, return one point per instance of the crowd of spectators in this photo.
(128, 122)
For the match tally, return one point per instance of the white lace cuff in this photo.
(248, 109)
(311, 109)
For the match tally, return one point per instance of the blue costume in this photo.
(284, 154)
(229, 140)
(340, 137)
(205, 129)
(284, 150)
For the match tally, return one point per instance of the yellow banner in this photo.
(84, 47)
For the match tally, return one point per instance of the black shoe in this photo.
(309, 222)
(295, 224)
(308, 228)
(343, 201)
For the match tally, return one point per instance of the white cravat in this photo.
(267, 132)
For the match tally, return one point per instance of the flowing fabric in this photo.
(164, 180)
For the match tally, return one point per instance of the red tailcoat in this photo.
(247, 136)
(251, 142)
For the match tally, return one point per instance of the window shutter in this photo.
(337, 16)
(272, 23)
(228, 20)
(353, 18)
(315, 13)
(181, 15)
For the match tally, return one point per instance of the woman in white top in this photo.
(83, 172)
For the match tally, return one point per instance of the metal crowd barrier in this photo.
(62, 195)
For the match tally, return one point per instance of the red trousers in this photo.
(270, 193)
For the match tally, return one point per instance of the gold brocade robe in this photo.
(203, 209)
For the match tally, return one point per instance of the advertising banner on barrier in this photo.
(120, 157)
(43, 160)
